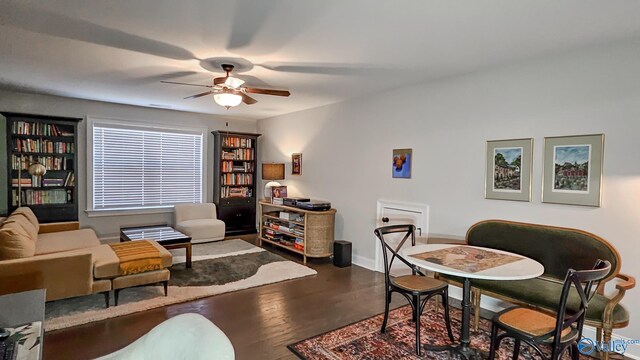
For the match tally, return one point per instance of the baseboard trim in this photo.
(364, 262)
(495, 305)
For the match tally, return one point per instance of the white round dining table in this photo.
(471, 268)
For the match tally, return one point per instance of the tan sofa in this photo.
(62, 258)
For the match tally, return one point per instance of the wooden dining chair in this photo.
(561, 332)
(416, 288)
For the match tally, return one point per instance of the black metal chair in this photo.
(416, 288)
(561, 332)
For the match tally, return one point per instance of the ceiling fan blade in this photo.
(181, 83)
(199, 95)
(267, 91)
(247, 99)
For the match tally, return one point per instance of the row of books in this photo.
(290, 228)
(42, 197)
(39, 181)
(228, 166)
(229, 192)
(237, 179)
(229, 141)
(238, 154)
(45, 146)
(49, 162)
(273, 234)
(29, 128)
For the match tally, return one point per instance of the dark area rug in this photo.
(363, 340)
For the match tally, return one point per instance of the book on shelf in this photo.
(43, 197)
(43, 146)
(233, 141)
(277, 201)
(50, 162)
(236, 179)
(38, 128)
(237, 154)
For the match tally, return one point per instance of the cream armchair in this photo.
(199, 221)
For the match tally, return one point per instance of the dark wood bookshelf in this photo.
(37, 197)
(238, 212)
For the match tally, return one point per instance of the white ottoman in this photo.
(199, 221)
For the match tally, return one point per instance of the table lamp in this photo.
(272, 171)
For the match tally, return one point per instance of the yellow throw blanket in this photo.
(137, 256)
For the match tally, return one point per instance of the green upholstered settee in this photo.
(558, 249)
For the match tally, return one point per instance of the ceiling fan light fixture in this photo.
(227, 100)
(233, 82)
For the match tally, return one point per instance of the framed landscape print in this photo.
(401, 167)
(572, 172)
(296, 164)
(508, 169)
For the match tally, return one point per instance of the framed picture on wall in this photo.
(296, 164)
(508, 169)
(402, 163)
(572, 171)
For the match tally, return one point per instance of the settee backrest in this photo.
(557, 249)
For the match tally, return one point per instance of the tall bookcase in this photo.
(234, 180)
(53, 142)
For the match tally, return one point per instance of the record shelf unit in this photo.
(308, 233)
(51, 141)
(234, 180)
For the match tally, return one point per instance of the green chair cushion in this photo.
(545, 293)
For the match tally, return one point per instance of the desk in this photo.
(469, 262)
(24, 308)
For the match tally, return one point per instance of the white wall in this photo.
(60, 106)
(347, 148)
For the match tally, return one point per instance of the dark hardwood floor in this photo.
(260, 322)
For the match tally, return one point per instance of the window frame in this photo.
(93, 121)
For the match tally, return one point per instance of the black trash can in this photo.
(341, 253)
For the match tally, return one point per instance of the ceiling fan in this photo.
(229, 91)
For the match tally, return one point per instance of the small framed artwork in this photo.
(402, 163)
(279, 192)
(508, 169)
(572, 172)
(296, 164)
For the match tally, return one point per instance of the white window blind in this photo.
(138, 168)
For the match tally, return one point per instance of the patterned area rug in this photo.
(363, 340)
(217, 268)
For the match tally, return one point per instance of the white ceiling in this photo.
(323, 51)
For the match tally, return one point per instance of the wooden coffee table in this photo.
(164, 235)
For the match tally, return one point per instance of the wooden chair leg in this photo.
(387, 300)
(166, 287)
(495, 342)
(516, 349)
(606, 337)
(476, 297)
(447, 320)
(116, 292)
(416, 315)
(575, 354)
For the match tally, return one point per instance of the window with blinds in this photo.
(136, 168)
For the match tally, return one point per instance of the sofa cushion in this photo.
(107, 265)
(66, 240)
(15, 242)
(25, 224)
(546, 293)
(28, 214)
(202, 228)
